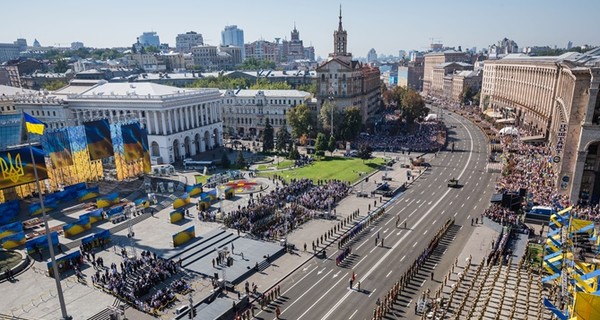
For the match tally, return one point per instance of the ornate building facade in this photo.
(555, 99)
(348, 82)
(246, 112)
(180, 122)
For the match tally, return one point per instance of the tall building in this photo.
(569, 45)
(233, 36)
(502, 48)
(372, 56)
(186, 41)
(77, 45)
(554, 99)
(149, 39)
(263, 50)
(347, 82)
(12, 51)
(293, 49)
(435, 59)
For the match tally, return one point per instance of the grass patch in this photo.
(283, 164)
(201, 179)
(535, 254)
(346, 169)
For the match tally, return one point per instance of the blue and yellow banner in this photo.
(14, 240)
(88, 194)
(75, 228)
(108, 200)
(63, 262)
(9, 210)
(98, 138)
(12, 228)
(96, 215)
(49, 205)
(132, 142)
(41, 242)
(142, 203)
(175, 216)
(194, 190)
(105, 234)
(184, 236)
(181, 201)
(16, 167)
(115, 210)
(147, 165)
(58, 147)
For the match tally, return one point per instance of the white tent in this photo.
(509, 131)
(431, 117)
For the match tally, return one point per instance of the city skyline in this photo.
(531, 23)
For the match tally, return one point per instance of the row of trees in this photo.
(224, 82)
(408, 102)
(347, 123)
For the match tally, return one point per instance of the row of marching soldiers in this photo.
(392, 295)
(263, 301)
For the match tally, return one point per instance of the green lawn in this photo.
(346, 169)
(283, 164)
(535, 254)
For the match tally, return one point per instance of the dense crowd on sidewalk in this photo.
(144, 273)
(324, 196)
(426, 138)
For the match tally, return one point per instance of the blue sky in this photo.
(385, 25)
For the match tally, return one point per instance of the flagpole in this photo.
(61, 298)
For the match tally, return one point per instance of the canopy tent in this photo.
(509, 131)
(431, 117)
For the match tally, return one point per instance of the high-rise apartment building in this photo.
(435, 59)
(149, 39)
(233, 36)
(372, 55)
(186, 41)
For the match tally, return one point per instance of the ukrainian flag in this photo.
(33, 125)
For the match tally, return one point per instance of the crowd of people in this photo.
(429, 137)
(136, 279)
(286, 206)
(324, 196)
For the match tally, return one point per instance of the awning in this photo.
(509, 120)
(533, 138)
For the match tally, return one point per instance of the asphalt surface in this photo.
(321, 289)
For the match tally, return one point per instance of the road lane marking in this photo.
(402, 258)
(373, 249)
(321, 271)
(353, 313)
(372, 292)
(376, 265)
(455, 214)
(335, 275)
(387, 275)
(414, 245)
(434, 221)
(302, 295)
(422, 283)
(408, 304)
(424, 233)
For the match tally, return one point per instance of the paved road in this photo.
(320, 290)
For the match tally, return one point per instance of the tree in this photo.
(268, 137)
(476, 98)
(351, 124)
(320, 144)
(284, 139)
(265, 84)
(331, 145)
(54, 85)
(325, 117)
(240, 162)
(413, 106)
(301, 119)
(308, 87)
(225, 162)
(364, 151)
(61, 65)
(294, 154)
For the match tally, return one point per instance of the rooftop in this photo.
(267, 93)
(14, 91)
